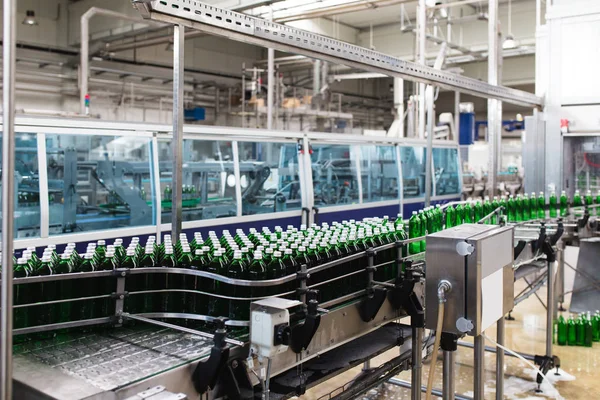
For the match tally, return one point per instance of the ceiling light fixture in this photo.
(30, 18)
(509, 41)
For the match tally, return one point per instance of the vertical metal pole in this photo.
(560, 278)
(178, 104)
(429, 155)
(84, 62)
(494, 120)
(448, 376)
(316, 77)
(270, 80)
(399, 104)
(500, 360)
(479, 361)
(8, 181)
(549, 309)
(421, 28)
(456, 116)
(417, 363)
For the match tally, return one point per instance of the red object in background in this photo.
(564, 125)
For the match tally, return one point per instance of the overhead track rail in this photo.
(244, 28)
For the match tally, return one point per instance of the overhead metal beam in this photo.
(244, 28)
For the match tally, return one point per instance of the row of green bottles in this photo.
(188, 192)
(578, 332)
(426, 221)
(257, 256)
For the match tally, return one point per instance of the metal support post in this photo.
(417, 363)
(8, 190)
(421, 27)
(429, 155)
(316, 77)
(560, 278)
(550, 309)
(479, 362)
(399, 104)
(270, 81)
(177, 142)
(500, 360)
(494, 117)
(448, 376)
(456, 116)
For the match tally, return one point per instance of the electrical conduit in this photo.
(443, 287)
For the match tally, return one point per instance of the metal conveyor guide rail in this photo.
(241, 27)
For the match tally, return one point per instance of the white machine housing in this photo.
(265, 317)
(477, 261)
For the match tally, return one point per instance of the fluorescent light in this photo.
(509, 42)
(30, 18)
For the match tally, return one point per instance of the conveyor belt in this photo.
(103, 361)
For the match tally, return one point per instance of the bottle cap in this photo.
(269, 250)
(313, 246)
(205, 248)
(237, 255)
(199, 252)
(277, 254)
(21, 261)
(89, 256)
(46, 259)
(258, 255)
(168, 250)
(66, 256)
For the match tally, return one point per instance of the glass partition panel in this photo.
(379, 169)
(269, 177)
(335, 179)
(98, 182)
(208, 180)
(413, 171)
(446, 173)
(27, 188)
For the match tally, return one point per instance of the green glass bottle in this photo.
(596, 323)
(552, 205)
(512, 217)
(439, 218)
(400, 221)
(541, 206)
(478, 211)
(597, 202)
(216, 306)
(562, 331)
(237, 269)
(487, 209)
(589, 331)
(450, 217)
(86, 287)
(459, 214)
(495, 205)
(519, 209)
(588, 198)
(257, 271)
(21, 294)
(564, 204)
(468, 213)
(65, 287)
(580, 322)
(277, 269)
(414, 231)
(572, 331)
(431, 218)
(46, 291)
(577, 201)
(168, 193)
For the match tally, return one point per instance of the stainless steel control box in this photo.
(477, 260)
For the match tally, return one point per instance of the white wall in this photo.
(52, 28)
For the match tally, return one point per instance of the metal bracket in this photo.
(303, 333)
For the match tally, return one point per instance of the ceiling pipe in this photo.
(85, 47)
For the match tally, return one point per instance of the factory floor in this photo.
(579, 379)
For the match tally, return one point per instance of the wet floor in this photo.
(579, 375)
